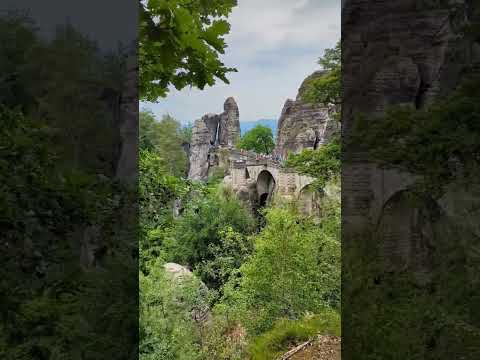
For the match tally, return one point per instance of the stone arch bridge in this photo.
(260, 180)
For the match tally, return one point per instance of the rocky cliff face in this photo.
(303, 125)
(209, 133)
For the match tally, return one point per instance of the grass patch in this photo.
(286, 333)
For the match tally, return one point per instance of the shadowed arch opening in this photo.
(406, 233)
(309, 200)
(265, 187)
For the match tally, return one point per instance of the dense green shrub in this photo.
(323, 164)
(294, 269)
(167, 328)
(212, 236)
(327, 88)
(165, 138)
(226, 340)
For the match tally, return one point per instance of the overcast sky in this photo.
(274, 44)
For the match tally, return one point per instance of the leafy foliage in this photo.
(35, 72)
(180, 43)
(294, 269)
(323, 163)
(167, 329)
(211, 236)
(259, 139)
(157, 192)
(327, 88)
(186, 133)
(166, 137)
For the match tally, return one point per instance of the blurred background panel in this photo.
(68, 202)
(410, 189)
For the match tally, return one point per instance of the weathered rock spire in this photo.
(229, 129)
(210, 131)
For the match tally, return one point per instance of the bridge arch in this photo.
(265, 187)
(309, 197)
(407, 231)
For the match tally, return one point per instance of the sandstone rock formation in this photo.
(181, 277)
(177, 271)
(202, 142)
(229, 127)
(303, 125)
(208, 134)
(256, 180)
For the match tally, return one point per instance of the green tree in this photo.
(146, 130)
(186, 133)
(158, 192)
(180, 44)
(327, 89)
(295, 269)
(166, 138)
(259, 139)
(17, 87)
(323, 163)
(211, 236)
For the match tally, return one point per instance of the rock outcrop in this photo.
(184, 280)
(203, 139)
(229, 127)
(208, 134)
(303, 125)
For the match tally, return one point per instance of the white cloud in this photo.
(274, 44)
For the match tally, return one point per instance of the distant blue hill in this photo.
(249, 125)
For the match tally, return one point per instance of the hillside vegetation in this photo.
(266, 288)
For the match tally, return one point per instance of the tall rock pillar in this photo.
(229, 129)
(208, 133)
